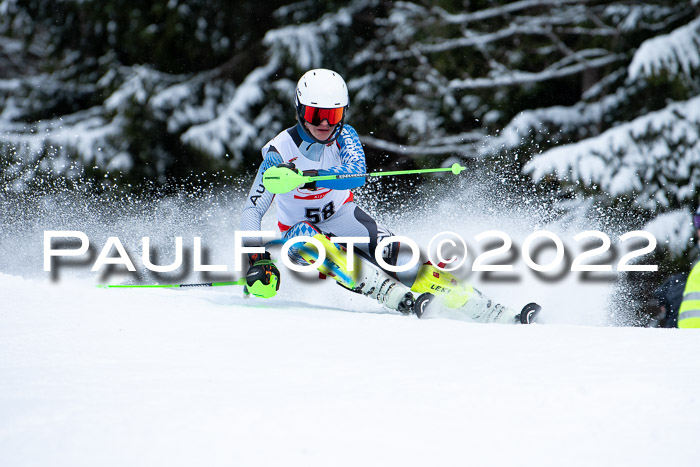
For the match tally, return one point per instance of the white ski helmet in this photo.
(322, 95)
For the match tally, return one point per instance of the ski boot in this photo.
(365, 278)
(433, 281)
(459, 299)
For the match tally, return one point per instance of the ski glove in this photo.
(263, 277)
(308, 173)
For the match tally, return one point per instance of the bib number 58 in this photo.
(315, 215)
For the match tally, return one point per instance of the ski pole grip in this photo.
(279, 180)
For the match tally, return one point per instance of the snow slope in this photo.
(318, 376)
(204, 377)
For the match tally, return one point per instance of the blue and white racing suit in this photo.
(329, 208)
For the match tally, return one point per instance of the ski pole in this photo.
(165, 286)
(282, 180)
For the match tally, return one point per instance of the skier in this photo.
(669, 296)
(689, 312)
(321, 143)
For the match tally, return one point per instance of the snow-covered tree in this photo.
(109, 88)
(639, 143)
(597, 97)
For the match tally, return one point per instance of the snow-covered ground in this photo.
(319, 376)
(204, 377)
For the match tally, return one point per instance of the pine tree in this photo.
(596, 97)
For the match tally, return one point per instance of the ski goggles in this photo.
(696, 221)
(315, 115)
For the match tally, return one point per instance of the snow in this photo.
(523, 78)
(676, 52)
(440, 146)
(84, 132)
(616, 159)
(510, 8)
(305, 43)
(161, 377)
(319, 376)
(134, 88)
(316, 375)
(232, 125)
(673, 229)
(304, 40)
(9, 84)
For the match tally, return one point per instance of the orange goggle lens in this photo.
(315, 115)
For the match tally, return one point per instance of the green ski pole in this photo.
(170, 286)
(283, 180)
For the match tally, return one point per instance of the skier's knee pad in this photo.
(300, 229)
(390, 252)
(396, 254)
(336, 263)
